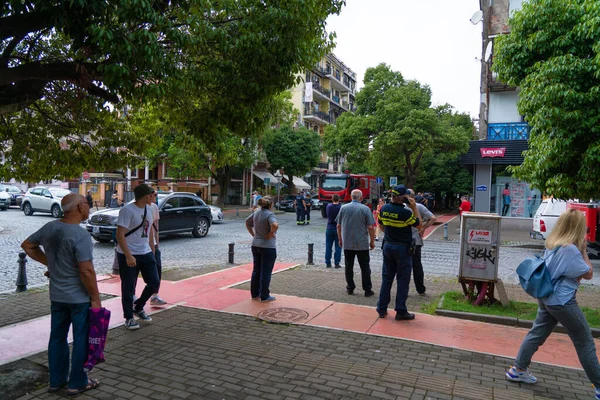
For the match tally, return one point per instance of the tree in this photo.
(395, 126)
(293, 151)
(553, 54)
(230, 57)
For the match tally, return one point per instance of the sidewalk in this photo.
(211, 344)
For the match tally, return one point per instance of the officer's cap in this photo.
(398, 190)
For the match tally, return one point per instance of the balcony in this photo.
(320, 70)
(323, 165)
(336, 81)
(315, 116)
(508, 131)
(320, 91)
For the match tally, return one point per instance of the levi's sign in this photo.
(492, 152)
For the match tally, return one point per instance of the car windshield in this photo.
(161, 198)
(333, 183)
(60, 192)
(12, 189)
(290, 197)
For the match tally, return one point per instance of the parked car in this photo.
(179, 212)
(545, 217)
(217, 214)
(287, 204)
(43, 199)
(15, 193)
(4, 200)
(314, 202)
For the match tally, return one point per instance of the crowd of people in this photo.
(66, 249)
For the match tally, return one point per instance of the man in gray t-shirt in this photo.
(356, 235)
(67, 252)
(427, 219)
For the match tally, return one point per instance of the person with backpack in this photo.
(567, 263)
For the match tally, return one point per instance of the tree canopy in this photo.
(69, 70)
(293, 151)
(395, 126)
(553, 54)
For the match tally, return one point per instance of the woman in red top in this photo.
(465, 205)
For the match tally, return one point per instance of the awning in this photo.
(263, 174)
(300, 184)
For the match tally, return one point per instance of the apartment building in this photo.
(503, 132)
(326, 92)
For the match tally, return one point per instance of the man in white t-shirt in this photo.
(135, 253)
(156, 300)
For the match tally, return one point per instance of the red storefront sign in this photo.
(492, 152)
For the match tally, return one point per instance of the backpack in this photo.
(534, 276)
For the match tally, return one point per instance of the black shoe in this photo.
(338, 266)
(382, 314)
(328, 266)
(350, 291)
(369, 293)
(307, 223)
(404, 316)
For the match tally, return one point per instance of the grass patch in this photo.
(429, 308)
(455, 301)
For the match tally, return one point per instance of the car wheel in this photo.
(101, 240)
(27, 209)
(4, 208)
(201, 228)
(55, 210)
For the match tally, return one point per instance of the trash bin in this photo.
(590, 210)
(479, 245)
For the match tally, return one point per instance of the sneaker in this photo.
(270, 298)
(350, 291)
(256, 298)
(131, 324)
(327, 265)
(135, 298)
(598, 394)
(157, 301)
(382, 314)
(405, 316)
(369, 293)
(338, 266)
(422, 294)
(307, 223)
(524, 376)
(142, 315)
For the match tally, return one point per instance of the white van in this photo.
(545, 217)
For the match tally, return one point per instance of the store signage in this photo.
(481, 188)
(479, 236)
(492, 152)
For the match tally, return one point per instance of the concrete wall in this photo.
(503, 107)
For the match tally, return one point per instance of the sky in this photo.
(431, 41)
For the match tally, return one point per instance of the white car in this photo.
(545, 217)
(43, 199)
(5, 199)
(217, 214)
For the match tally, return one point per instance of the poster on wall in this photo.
(523, 200)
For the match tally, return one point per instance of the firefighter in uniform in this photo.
(300, 205)
(397, 219)
(308, 205)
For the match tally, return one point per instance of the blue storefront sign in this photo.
(481, 188)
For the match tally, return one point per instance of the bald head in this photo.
(69, 202)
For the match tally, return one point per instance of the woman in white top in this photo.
(567, 266)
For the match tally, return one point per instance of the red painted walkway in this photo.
(213, 292)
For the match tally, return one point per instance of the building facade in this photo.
(503, 132)
(327, 91)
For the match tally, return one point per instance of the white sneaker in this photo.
(520, 376)
(157, 301)
(597, 393)
(132, 324)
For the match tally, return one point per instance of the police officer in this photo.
(300, 205)
(397, 220)
(308, 205)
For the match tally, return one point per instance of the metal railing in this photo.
(508, 131)
(319, 114)
(317, 86)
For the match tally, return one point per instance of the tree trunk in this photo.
(290, 184)
(223, 177)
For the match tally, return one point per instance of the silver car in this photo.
(43, 199)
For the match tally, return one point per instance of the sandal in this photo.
(56, 389)
(92, 384)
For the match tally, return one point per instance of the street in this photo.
(440, 258)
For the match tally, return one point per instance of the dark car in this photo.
(16, 194)
(287, 204)
(179, 212)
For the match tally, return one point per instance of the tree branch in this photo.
(71, 71)
(21, 24)
(103, 94)
(8, 51)
(16, 97)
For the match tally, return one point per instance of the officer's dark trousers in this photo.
(300, 214)
(307, 214)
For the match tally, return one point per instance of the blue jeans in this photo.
(62, 316)
(264, 260)
(331, 238)
(146, 264)
(572, 318)
(397, 263)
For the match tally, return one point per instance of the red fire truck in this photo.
(344, 184)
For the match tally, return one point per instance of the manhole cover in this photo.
(283, 315)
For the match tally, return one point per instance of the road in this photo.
(184, 251)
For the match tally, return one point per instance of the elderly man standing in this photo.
(67, 252)
(397, 260)
(356, 235)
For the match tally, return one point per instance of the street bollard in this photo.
(237, 211)
(22, 274)
(310, 253)
(231, 252)
(446, 231)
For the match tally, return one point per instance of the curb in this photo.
(500, 320)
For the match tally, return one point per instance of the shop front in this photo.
(494, 189)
